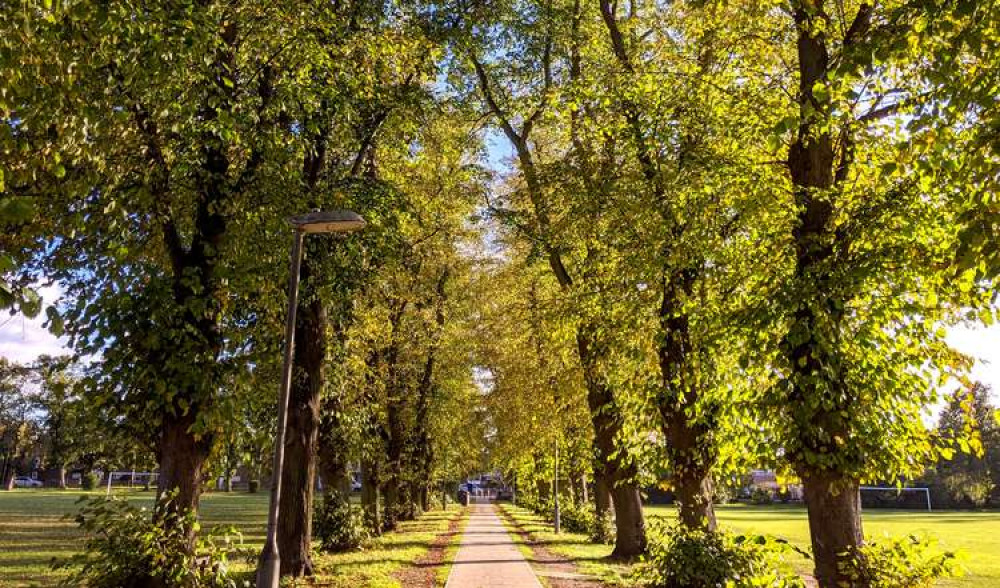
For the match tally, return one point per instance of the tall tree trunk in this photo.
(602, 491)
(690, 445)
(818, 394)
(298, 478)
(369, 495)
(630, 522)
(181, 456)
(618, 475)
(834, 506)
(334, 463)
(693, 494)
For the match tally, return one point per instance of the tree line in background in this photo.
(729, 235)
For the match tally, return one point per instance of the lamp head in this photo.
(328, 221)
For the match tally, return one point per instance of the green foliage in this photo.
(907, 562)
(89, 481)
(761, 496)
(339, 525)
(681, 558)
(968, 472)
(604, 529)
(576, 517)
(128, 546)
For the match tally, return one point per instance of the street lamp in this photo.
(557, 524)
(335, 221)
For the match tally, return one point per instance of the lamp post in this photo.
(336, 221)
(555, 485)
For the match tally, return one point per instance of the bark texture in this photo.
(298, 479)
(835, 530)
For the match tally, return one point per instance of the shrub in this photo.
(89, 481)
(577, 518)
(127, 546)
(908, 562)
(338, 525)
(682, 558)
(761, 496)
(604, 529)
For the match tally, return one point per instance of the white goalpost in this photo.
(926, 491)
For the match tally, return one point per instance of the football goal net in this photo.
(897, 491)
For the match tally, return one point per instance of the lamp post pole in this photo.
(555, 485)
(337, 221)
(269, 572)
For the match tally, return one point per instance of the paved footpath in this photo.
(488, 557)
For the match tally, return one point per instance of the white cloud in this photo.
(22, 339)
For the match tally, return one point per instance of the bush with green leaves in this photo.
(577, 518)
(603, 530)
(339, 525)
(761, 496)
(128, 546)
(906, 562)
(681, 558)
(89, 481)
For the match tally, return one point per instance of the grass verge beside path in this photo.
(387, 559)
(33, 530)
(974, 533)
(590, 559)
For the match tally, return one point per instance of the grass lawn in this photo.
(976, 534)
(33, 531)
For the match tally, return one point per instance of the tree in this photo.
(868, 289)
(63, 416)
(970, 474)
(16, 430)
(537, 47)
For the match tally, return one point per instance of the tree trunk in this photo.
(298, 477)
(693, 494)
(630, 523)
(584, 494)
(689, 444)
(602, 493)
(618, 475)
(369, 495)
(390, 507)
(181, 457)
(834, 506)
(56, 477)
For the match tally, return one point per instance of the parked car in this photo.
(26, 482)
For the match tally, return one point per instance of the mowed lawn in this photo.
(33, 531)
(975, 533)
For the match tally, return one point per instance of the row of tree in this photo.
(729, 233)
(747, 226)
(150, 156)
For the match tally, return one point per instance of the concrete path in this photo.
(488, 557)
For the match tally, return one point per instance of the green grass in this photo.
(33, 531)
(976, 534)
(375, 566)
(590, 558)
